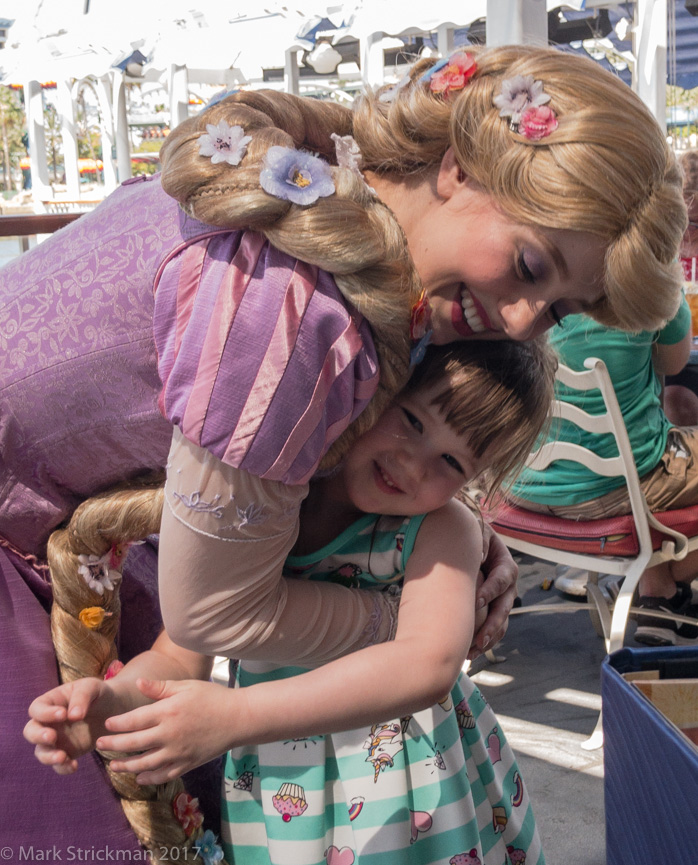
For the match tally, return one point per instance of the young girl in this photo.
(508, 187)
(434, 779)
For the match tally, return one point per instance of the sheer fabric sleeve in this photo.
(225, 536)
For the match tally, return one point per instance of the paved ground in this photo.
(546, 694)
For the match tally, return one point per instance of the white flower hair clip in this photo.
(390, 94)
(98, 572)
(522, 100)
(224, 143)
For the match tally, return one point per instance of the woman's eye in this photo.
(453, 462)
(525, 271)
(412, 420)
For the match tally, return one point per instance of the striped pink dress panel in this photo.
(299, 291)
(232, 280)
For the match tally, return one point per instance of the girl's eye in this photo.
(413, 421)
(453, 462)
(524, 270)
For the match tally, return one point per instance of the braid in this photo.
(350, 234)
(84, 625)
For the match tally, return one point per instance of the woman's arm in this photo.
(221, 589)
(193, 721)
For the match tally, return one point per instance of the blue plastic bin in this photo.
(650, 769)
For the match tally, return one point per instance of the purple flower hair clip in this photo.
(295, 176)
(224, 143)
(522, 100)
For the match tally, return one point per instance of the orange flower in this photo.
(92, 617)
(459, 69)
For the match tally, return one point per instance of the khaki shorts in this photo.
(672, 484)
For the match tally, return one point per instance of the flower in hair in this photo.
(518, 94)
(454, 74)
(348, 153)
(97, 573)
(208, 848)
(186, 810)
(295, 176)
(537, 122)
(224, 143)
(115, 667)
(92, 617)
(389, 94)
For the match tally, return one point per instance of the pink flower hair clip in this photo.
(522, 100)
(451, 73)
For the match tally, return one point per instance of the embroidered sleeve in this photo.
(225, 536)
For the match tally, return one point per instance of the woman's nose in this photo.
(524, 319)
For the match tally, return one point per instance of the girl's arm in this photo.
(194, 721)
(221, 589)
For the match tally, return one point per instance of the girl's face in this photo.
(488, 277)
(410, 462)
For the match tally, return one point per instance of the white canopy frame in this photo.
(508, 21)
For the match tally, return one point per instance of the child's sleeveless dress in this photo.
(440, 786)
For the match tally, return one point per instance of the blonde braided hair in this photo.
(351, 234)
(85, 645)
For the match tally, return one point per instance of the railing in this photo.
(25, 225)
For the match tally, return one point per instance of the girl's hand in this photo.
(65, 722)
(190, 723)
(498, 591)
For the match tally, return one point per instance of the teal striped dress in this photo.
(440, 786)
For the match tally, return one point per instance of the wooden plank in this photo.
(24, 224)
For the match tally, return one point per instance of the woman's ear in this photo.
(451, 177)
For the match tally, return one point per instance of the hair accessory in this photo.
(348, 153)
(522, 100)
(390, 93)
(208, 848)
(96, 572)
(113, 668)
(295, 176)
(186, 810)
(92, 617)
(537, 122)
(453, 73)
(224, 143)
(420, 328)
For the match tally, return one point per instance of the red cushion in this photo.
(615, 536)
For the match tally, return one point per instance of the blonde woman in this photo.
(292, 270)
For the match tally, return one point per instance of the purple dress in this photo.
(79, 412)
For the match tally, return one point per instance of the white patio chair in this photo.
(623, 546)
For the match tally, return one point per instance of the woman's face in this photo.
(488, 277)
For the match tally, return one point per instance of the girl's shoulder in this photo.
(452, 528)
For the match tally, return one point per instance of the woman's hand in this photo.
(65, 722)
(189, 723)
(498, 591)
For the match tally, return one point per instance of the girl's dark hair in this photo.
(497, 393)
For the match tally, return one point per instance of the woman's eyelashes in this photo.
(524, 270)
